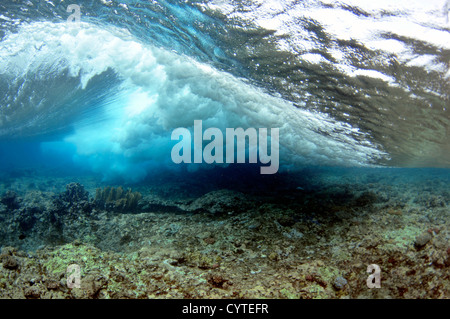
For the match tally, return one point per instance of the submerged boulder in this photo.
(220, 202)
(422, 239)
(10, 200)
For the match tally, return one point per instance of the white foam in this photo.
(163, 91)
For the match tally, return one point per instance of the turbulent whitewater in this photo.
(349, 83)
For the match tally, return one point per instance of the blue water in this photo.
(104, 95)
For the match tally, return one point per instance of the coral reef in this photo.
(74, 193)
(313, 242)
(220, 202)
(117, 199)
(10, 200)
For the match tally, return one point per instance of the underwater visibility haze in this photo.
(91, 91)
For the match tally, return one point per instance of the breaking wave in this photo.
(348, 83)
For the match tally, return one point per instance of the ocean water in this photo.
(359, 90)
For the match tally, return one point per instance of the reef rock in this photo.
(75, 199)
(75, 193)
(422, 240)
(10, 200)
(220, 202)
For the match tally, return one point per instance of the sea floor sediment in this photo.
(312, 235)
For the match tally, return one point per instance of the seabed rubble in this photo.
(226, 243)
